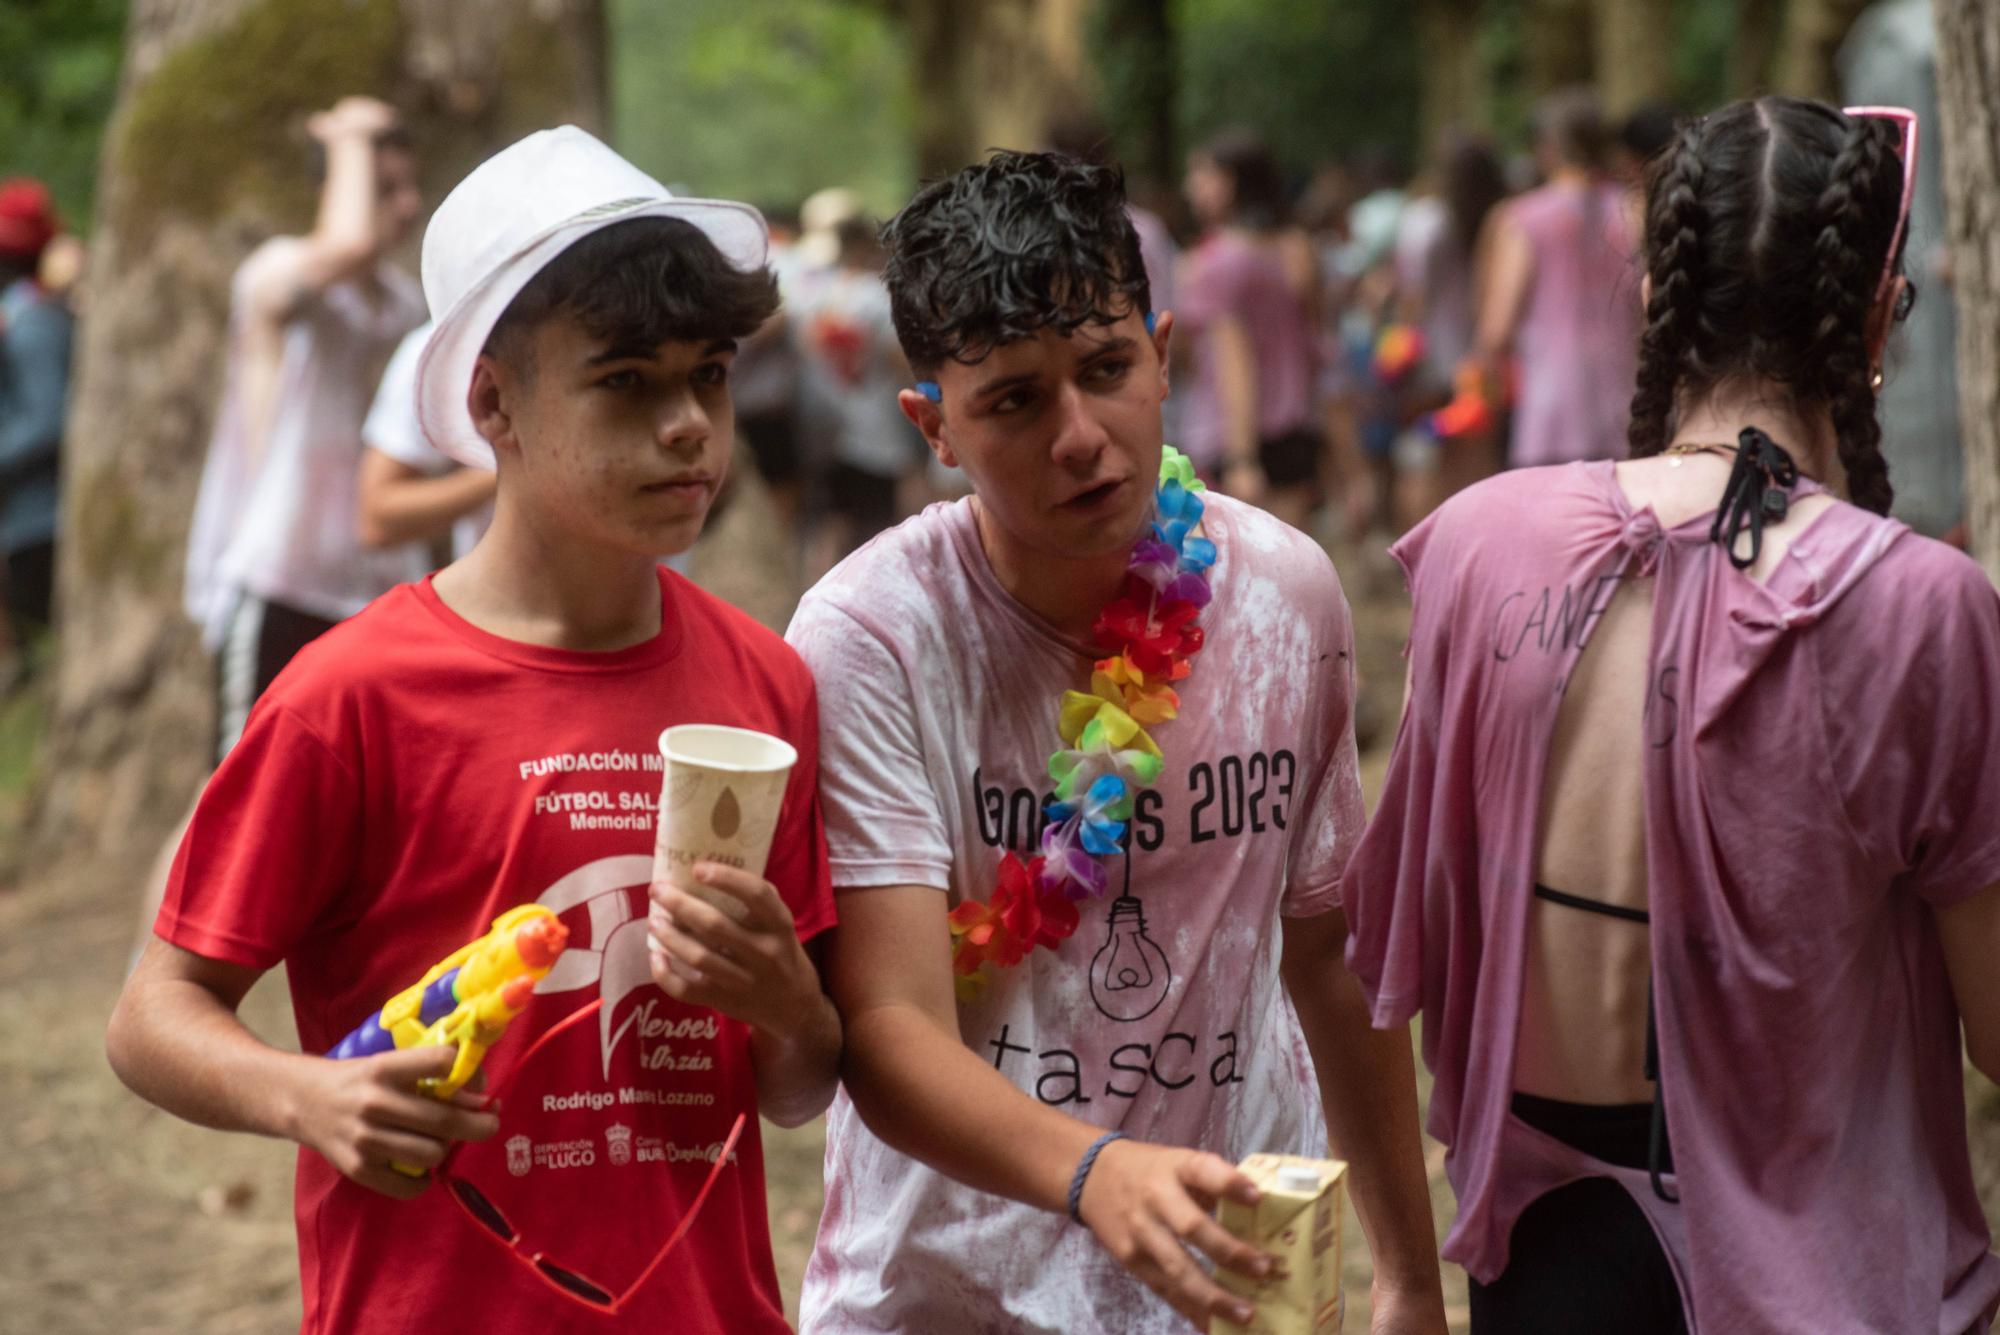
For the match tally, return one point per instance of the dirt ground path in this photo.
(119, 1217)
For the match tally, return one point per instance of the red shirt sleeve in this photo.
(271, 843)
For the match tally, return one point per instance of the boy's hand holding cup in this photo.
(720, 934)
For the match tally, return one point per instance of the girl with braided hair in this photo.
(1689, 852)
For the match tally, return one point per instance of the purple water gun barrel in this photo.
(371, 1036)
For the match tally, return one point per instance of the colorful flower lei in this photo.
(1108, 756)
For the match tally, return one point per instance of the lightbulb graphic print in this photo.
(1130, 975)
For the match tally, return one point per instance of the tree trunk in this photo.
(205, 155)
(1807, 42)
(1555, 40)
(1968, 75)
(992, 74)
(1634, 46)
(1138, 56)
(1457, 87)
(1755, 47)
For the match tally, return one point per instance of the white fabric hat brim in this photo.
(444, 372)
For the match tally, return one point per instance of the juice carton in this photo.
(1298, 1222)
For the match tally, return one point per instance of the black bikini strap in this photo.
(1758, 492)
(1569, 901)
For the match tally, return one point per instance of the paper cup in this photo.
(719, 802)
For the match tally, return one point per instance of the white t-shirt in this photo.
(393, 429)
(279, 522)
(840, 322)
(1430, 265)
(938, 701)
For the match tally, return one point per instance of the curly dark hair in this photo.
(1767, 227)
(641, 283)
(1006, 248)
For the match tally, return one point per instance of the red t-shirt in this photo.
(407, 779)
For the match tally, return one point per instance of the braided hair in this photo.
(1767, 227)
(1848, 266)
(1675, 223)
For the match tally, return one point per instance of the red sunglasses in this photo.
(571, 1284)
(1906, 119)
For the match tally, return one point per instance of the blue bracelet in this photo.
(1083, 1167)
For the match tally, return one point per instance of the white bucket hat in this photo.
(502, 224)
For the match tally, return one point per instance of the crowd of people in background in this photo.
(1352, 346)
(1350, 350)
(1356, 346)
(1359, 349)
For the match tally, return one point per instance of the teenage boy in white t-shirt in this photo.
(410, 491)
(485, 739)
(1187, 998)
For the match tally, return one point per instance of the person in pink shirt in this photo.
(1561, 298)
(1248, 296)
(1038, 1148)
(1689, 845)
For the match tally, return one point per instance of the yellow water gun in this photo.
(468, 998)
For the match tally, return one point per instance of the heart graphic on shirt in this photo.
(612, 954)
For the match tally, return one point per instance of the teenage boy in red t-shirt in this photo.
(486, 739)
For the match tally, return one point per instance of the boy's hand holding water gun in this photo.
(389, 1111)
(365, 1115)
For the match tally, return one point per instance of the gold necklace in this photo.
(1677, 453)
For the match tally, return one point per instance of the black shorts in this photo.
(774, 443)
(262, 637)
(28, 583)
(1583, 1258)
(867, 499)
(1291, 459)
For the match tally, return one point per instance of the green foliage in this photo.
(760, 99)
(1501, 43)
(221, 121)
(1705, 37)
(764, 100)
(1133, 53)
(1316, 79)
(58, 76)
(21, 718)
(539, 75)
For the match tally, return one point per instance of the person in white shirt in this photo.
(273, 555)
(412, 494)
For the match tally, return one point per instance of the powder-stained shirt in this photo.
(1164, 1015)
(1822, 770)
